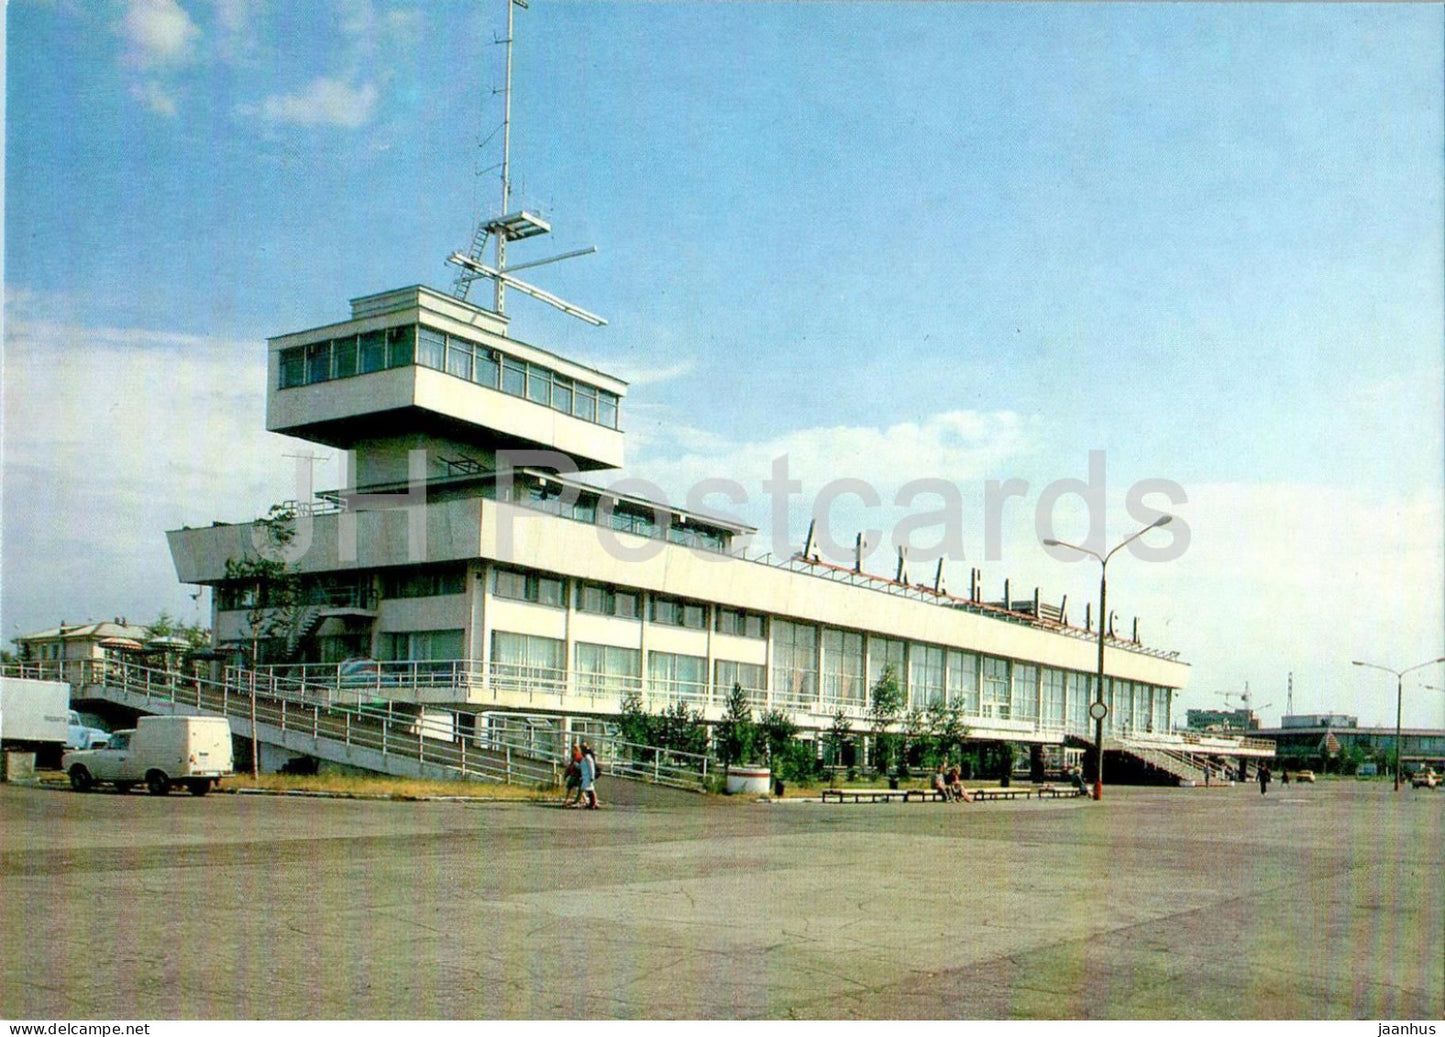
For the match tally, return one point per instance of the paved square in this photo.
(1312, 902)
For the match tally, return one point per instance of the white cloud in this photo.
(158, 33)
(113, 436)
(323, 102)
(156, 96)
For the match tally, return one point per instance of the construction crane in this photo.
(511, 226)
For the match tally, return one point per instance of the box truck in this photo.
(34, 715)
(162, 751)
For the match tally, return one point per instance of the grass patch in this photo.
(396, 788)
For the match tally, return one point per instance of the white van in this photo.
(162, 752)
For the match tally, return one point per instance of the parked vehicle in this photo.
(81, 735)
(1306, 776)
(1425, 779)
(163, 752)
(34, 715)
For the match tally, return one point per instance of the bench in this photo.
(1055, 792)
(1010, 793)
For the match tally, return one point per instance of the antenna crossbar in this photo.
(482, 270)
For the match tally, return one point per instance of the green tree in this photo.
(274, 612)
(679, 728)
(840, 737)
(777, 731)
(634, 722)
(914, 741)
(736, 733)
(885, 704)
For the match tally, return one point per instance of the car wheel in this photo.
(124, 786)
(157, 784)
(80, 779)
(199, 787)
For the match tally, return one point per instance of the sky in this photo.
(1197, 244)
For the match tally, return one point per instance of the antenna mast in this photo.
(501, 259)
(511, 226)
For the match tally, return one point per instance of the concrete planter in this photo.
(749, 781)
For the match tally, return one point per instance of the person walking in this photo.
(589, 776)
(1263, 778)
(573, 797)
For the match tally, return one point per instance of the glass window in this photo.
(607, 669)
(1025, 702)
(629, 604)
(424, 582)
(514, 377)
(318, 362)
(539, 384)
(995, 687)
(675, 613)
(606, 409)
(795, 667)
(549, 591)
(584, 403)
(459, 358)
(1053, 697)
(431, 348)
(739, 623)
(485, 367)
(526, 660)
(884, 652)
(343, 357)
(750, 676)
(417, 645)
(963, 681)
(562, 393)
(843, 669)
(373, 351)
(676, 678)
(400, 346)
(293, 367)
(925, 675)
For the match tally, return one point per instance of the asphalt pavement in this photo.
(1323, 901)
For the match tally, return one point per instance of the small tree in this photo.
(736, 734)
(884, 707)
(680, 728)
(634, 722)
(276, 600)
(840, 736)
(777, 731)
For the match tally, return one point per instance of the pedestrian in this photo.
(574, 777)
(1284, 777)
(1263, 778)
(589, 775)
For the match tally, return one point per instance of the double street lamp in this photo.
(1399, 697)
(1100, 708)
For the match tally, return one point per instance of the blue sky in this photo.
(970, 241)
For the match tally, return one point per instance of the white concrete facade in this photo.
(487, 593)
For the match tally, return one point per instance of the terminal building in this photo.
(470, 567)
(1320, 739)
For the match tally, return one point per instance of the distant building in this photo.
(1319, 720)
(1221, 720)
(1338, 735)
(65, 650)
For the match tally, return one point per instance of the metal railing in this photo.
(459, 740)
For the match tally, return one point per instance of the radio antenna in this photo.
(511, 226)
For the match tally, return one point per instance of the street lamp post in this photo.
(1100, 708)
(1399, 699)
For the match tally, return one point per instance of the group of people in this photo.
(949, 783)
(581, 777)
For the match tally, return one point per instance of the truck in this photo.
(80, 735)
(164, 752)
(34, 714)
